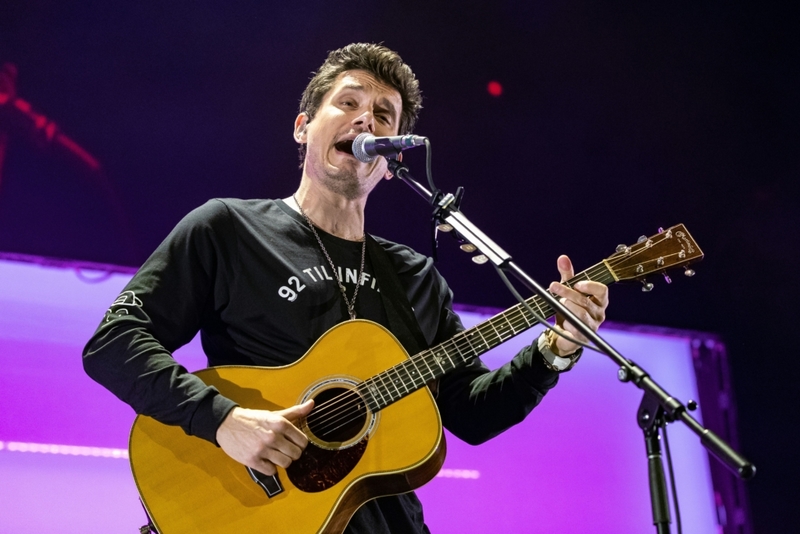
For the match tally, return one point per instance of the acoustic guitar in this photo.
(374, 430)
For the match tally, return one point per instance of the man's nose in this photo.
(366, 121)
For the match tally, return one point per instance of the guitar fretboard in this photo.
(395, 383)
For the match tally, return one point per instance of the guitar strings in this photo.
(490, 336)
(423, 369)
(342, 406)
(355, 396)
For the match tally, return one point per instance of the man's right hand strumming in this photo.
(262, 439)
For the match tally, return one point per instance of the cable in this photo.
(435, 193)
(672, 479)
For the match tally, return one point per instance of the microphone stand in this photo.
(657, 407)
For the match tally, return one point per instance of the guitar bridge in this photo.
(269, 483)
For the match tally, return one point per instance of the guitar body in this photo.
(189, 485)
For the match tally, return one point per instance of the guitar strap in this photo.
(402, 321)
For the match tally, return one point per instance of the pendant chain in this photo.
(351, 304)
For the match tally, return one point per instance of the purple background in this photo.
(616, 118)
(574, 466)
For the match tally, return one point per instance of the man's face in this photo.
(356, 103)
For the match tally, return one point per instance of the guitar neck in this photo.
(395, 383)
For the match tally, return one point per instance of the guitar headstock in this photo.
(673, 247)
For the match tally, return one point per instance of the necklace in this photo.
(351, 304)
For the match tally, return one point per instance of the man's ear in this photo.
(300, 126)
(389, 175)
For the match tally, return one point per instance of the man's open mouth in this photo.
(344, 146)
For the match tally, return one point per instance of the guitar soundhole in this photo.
(337, 439)
(337, 431)
(339, 415)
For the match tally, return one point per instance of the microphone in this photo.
(367, 147)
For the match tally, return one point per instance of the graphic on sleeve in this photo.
(126, 300)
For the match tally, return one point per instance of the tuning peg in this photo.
(688, 272)
(667, 278)
(647, 287)
(660, 230)
(445, 227)
(468, 247)
(480, 259)
(642, 239)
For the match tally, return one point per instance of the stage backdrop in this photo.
(576, 465)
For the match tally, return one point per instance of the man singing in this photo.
(262, 280)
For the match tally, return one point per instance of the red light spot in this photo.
(494, 88)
